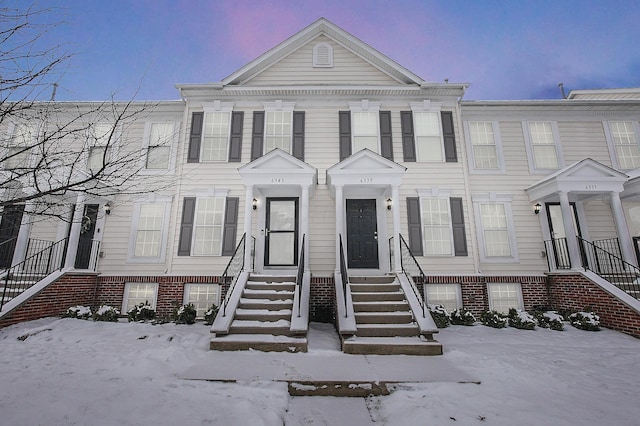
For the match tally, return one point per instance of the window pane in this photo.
(281, 247)
(626, 145)
(483, 143)
(16, 155)
(215, 136)
(98, 157)
(149, 233)
(158, 157)
(436, 226)
(202, 296)
(426, 123)
(496, 232)
(503, 297)
(141, 293)
(365, 130)
(443, 294)
(545, 155)
(161, 134)
(207, 235)
(278, 130)
(429, 146)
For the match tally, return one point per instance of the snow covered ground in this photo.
(75, 372)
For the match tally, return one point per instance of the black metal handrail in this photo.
(27, 273)
(300, 275)
(232, 271)
(611, 267)
(412, 270)
(345, 276)
(557, 251)
(6, 252)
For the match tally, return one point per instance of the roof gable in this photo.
(278, 168)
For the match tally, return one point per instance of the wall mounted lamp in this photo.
(254, 203)
(389, 203)
(107, 209)
(536, 208)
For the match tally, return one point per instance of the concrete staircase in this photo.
(262, 319)
(16, 284)
(384, 322)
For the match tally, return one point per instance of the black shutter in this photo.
(257, 135)
(386, 141)
(235, 144)
(449, 136)
(415, 226)
(186, 227)
(195, 137)
(345, 134)
(457, 224)
(408, 140)
(230, 226)
(298, 135)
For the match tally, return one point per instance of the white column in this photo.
(339, 224)
(626, 246)
(395, 209)
(22, 241)
(569, 231)
(304, 224)
(74, 234)
(248, 218)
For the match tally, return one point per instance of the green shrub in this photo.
(80, 312)
(462, 317)
(585, 321)
(185, 314)
(549, 319)
(521, 320)
(439, 315)
(494, 319)
(106, 313)
(210, 315)
(141, 312)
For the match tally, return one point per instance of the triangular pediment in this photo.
(290, 62)
(278, 168)
(365, 168)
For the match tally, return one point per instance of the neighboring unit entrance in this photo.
(281, 233)
(362, 234)
(9, 229)
(558, 234)
(87, 231)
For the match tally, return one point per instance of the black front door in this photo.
(558, 234)
(9, 229)
(87, 230)
(281, 235)
(362, 234)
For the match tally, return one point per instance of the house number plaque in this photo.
(366, 180)
(591, 187)
(277, 180)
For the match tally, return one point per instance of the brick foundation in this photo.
(575, 292)
(323, 300)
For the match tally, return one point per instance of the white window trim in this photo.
(316, 61)
(458, 289)
(366, 106)
(506, 200)
(11, 129)
(114, 145)
(172, 148)
(150, 199)
(125, 297)
(277, 106)
(519, 291)
(611, 144)
(428, 106)
(187, 289)
(497, 139)
(529, 146)
(215, 106)
(442, 194)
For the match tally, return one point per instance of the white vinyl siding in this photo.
(202, 296)
(215, 136)
(504, 296)
(161, 136)
(485, 148)
(365, 129)
(278, 131)
(447, 295)
(542, 142)
(137, 293)
(428, 136)
(436, 226)
(623, 136)
(208, 226)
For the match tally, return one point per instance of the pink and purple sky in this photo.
(506, 49)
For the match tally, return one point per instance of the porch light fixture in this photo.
(389, 203)
(536, 208)
(107, 209)
(254, 203)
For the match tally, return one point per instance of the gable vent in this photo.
(322, 55)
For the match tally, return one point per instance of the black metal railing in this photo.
(232, 272)
(6, 252)
(32, 269)
(412, 270)
(300, 276)
(345, 276)
(611, 267)
(557, 253)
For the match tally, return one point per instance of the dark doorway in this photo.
(281, 234)
(362, 234)
(87, 231)
(558, 235)
(9, 229)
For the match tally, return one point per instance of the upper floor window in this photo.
(278, 126)
(364, 126)
(101, 136)
(428, 136)
(159, 145)
(216, 134)
(428, 133)
(624, 144)
(278, 131)
(542, 141)
(484, 146)
(17, 152)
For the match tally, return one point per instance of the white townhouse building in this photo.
(325, 182)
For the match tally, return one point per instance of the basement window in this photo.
(137, 293)
(202, 296)
(504, 296)
(447, 295)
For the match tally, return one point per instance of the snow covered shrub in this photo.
(521, 319)
(585, 321)
(106, 313)
(439, 315)
(185, 314)
(462, 317)
(549, 319)
(210, 315)
(141, 312)
(494, 319)
(81, 312)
